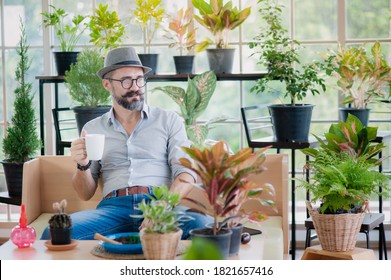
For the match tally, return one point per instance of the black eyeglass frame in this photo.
(132, 81)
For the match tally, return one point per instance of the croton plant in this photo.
(225, 180)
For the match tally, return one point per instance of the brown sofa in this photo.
(47, 179)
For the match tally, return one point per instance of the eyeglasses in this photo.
(127, 83)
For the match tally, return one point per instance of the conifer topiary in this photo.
(22, 141)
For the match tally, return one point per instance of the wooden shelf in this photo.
(172, 77)
(220, 77)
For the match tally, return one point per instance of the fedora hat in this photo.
(121, 57)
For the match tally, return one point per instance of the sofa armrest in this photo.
(31, 189)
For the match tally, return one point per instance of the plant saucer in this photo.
(64, 247)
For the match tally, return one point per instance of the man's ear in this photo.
(106, 84)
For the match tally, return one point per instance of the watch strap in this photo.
(84, 167)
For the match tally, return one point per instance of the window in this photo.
(319, 25)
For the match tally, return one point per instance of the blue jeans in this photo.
(112, 216)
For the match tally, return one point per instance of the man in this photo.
(142, 148)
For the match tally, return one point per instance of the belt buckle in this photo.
(126, 191)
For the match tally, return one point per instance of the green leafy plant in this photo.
(180, 33)
(279, 53)
(149, 15)
(22, 141)
(193, 103)
(345, 172)
(219, 19)
(61, 219)
(350, 137)
(362, 78)
(203, 249)
(159, 213)
(225, 181)
(343, 183)
(68, 34)
(85, 87)
(107, 30)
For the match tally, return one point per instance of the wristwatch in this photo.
(84, 167)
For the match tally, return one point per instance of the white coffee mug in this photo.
(95, 144)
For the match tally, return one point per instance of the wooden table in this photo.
(38, 251)
(316, 253)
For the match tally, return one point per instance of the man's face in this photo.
(126, 86)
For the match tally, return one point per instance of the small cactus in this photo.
(61, 219)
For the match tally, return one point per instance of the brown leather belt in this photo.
(128, 191)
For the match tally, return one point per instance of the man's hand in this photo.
(78, 149)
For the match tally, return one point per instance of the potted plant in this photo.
(160, 234)
(21, 140)
(60, 225)
(279, 53)
(350, 137)
(193, 103)
(362, 78)
(182, 37)
(86, 88)
(226, 184)
(344, 178)
(106, 29)
(68, 34)
(149, 16)
(219, 19)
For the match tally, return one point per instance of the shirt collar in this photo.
(145, 114)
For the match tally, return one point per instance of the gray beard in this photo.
(133, 105)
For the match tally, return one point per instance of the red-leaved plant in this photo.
(226, 184)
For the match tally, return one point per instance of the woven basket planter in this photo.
(336, 232)
(160, 246)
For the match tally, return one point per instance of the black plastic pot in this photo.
(361, 114)
(235, 240)
(64, 60)
(291, 123)
(184, 64)
(222, 239)
(151, 61)
(13, 177)
(221, 60)
(85, 114)
(61, 236)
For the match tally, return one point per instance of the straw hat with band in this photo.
(121, 57)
